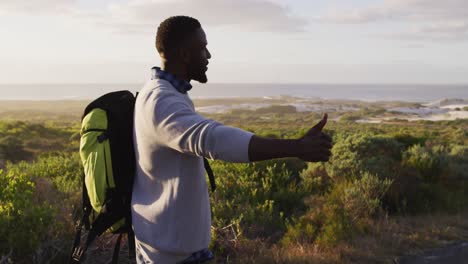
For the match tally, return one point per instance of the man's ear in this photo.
(163, 56)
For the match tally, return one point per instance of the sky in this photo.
(251, 41)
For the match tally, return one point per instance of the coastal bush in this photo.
(24, 222)
(12, 149)
(362, 197)
(431, 163)
(260, 196)
(440, 173)
(62, 169)
(354, 154)
(409, 140)
(404, 194)
(350, 117)
(38, 202)
(423, 176)
(278, 109)
(458, 162)
(23, 140)
(315, 179)
(335, 216)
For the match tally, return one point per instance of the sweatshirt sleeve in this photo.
(179, 127)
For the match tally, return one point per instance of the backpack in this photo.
(108, 158)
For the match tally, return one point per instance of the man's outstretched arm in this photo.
(313, 146)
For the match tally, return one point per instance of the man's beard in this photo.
(198, 74)
(202, 78)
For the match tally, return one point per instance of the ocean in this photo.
(363, 92)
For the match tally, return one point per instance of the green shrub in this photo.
(12, 149)
(63, 169)
(315, 179)
(24, 222)
(409, 140)
(278, 109)
(350, 117)
(336, 216)
(431, 163)
(362, 197)
(458, 162)
(434, 179)
(351, 155)
(337, 227)
(404, 194)
(260, 196)
(37, 204)
(22, 140)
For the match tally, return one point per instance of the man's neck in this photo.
(175, 70)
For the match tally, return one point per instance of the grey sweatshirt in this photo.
(170, 203)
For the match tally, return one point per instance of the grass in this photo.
(385, 240)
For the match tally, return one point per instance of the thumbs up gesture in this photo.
(316, 145)
(313, 146)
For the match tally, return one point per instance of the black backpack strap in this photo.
(76, 252)
(86, 206)
(131, 244)
(115, 255)
(131, 247)
(99, 226)
(210, 174)
(79, 249)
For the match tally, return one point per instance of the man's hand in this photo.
(315, 145)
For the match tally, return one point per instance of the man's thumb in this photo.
(319, 126)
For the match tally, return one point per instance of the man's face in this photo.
(197, 60)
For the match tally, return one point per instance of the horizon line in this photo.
(244, 83)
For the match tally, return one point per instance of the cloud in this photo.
(416, 10)
(354, 16)
(428, 19)
(448, 27)
(141, 16)
(253, 15)
(36, 6)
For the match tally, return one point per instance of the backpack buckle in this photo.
(77, 255)
(102, 137)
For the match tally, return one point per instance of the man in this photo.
(170, 204)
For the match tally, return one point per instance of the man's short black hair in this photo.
(173, 31)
